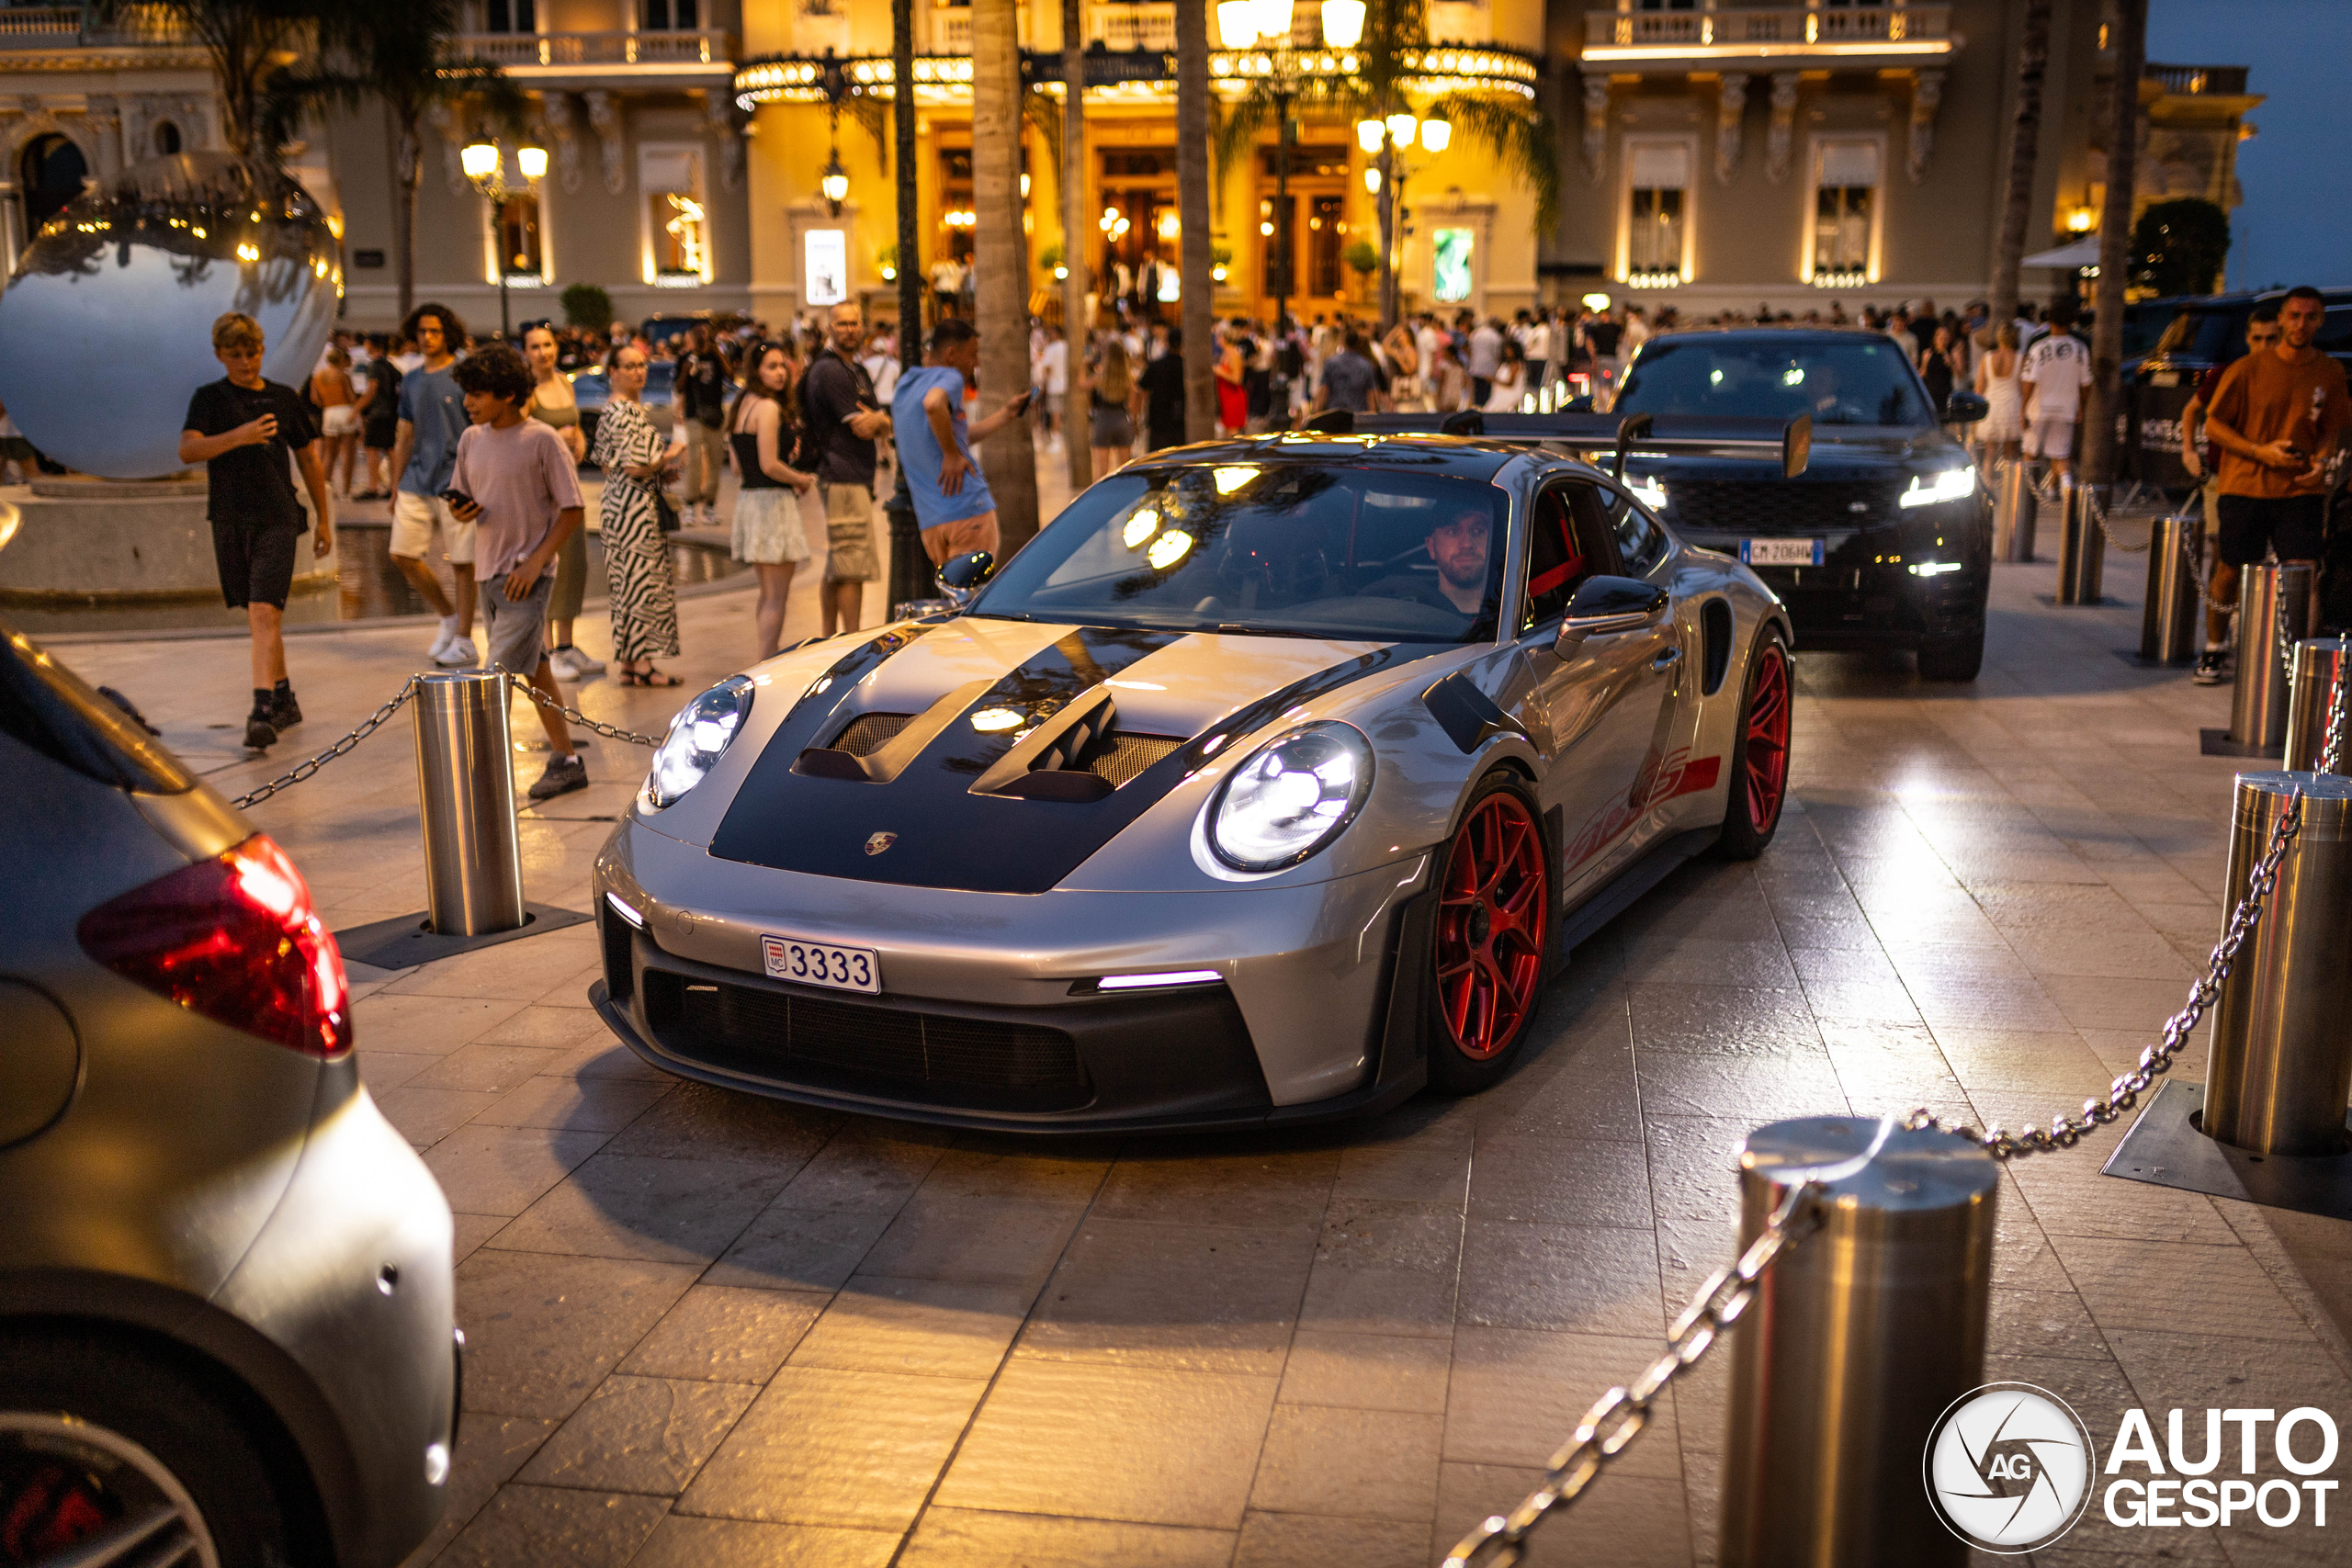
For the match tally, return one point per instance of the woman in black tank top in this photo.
(762, 437)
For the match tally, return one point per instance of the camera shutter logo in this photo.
(2008, 1468)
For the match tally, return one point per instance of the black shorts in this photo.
(379, 438)
(2293, 525)
(257, 564)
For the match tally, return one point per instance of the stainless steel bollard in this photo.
(2013, 512)
(2082, 547)
(2317, 661)
(465, 786)
(2258, 702)
(1858, 1339)
(2280, 1073)
(2168, 620)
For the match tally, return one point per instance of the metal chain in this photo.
(610, 732)
(1622, 1414)
(2065, 1131)
(2286, 639)
(2097, 509)
(367, 726)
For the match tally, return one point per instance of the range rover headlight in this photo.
(1933, 489)
(698, 736)
(1291, 797)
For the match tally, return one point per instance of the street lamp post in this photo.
(1247, 24)
(485, 169)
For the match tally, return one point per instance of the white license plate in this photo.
(822, 964)
(1781, 552)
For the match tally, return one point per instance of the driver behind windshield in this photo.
(1458, 547)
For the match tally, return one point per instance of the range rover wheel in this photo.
(108, 1457)
(1952, 658)
(1759, 754)
(1493, 930)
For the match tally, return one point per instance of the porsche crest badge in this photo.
(876, 843)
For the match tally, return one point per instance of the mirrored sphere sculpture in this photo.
(105, 327)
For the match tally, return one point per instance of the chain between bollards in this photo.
(1623, 1414)
(2065, 1131)
(376, 720)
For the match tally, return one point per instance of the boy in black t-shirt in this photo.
(245, 430)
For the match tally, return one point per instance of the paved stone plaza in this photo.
(709, 1330)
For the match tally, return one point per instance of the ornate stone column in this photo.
(1780, 145)
(1596, 127)
(1927, 97)
(605, 114)
(450, 130)
(1731, 110)
(563, 122)
(103, 114)
(720, 108)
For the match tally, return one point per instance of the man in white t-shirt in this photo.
(1053, 379)
(2053, 372)
(1538, 344)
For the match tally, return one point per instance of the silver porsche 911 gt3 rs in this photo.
(1268, 782)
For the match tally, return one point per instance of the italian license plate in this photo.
(822, 964)
(1781, 552)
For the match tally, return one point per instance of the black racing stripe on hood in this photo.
(947, 837)
(826, 693)
(1040, 686)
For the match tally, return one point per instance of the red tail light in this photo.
(233, 938)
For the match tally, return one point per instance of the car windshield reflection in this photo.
(1283, 549)
(1861, 381)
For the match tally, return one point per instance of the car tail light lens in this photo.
(233, 938)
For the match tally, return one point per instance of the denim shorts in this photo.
(517, 628)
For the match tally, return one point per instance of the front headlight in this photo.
(1291, 797)
(1931, 489)
(702, 731)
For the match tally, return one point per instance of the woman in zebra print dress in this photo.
(640, 592)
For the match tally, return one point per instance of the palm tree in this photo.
(393, 51)
(1000, 253)
(246, 42)
(2106, 402)
(1521, 140)
(2025, 146)
(1074, 214)
(1197, 269)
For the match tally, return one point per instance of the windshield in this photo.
(2212, 335)
(1275, 547)
(1863, 381)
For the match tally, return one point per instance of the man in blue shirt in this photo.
(425, 453)
(952, 505)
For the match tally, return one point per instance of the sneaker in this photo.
(563, 664)
(285, 713)
(260, 735)
(563, 775)
(457, 653)
(2208, 667)
(441, 636)
(585, 662)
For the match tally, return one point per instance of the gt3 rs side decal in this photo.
(1661, 780)
(947, 836)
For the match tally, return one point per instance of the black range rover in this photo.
(1884, 540)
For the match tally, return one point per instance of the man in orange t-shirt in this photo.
(2277, 416)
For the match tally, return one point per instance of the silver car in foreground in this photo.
(225, 1330)
(1268, 782)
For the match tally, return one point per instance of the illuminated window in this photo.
(518, 248)
(677, 224)
(1657, 211)
(510, 17)
(1845, 211)
(1450, 257)
(668, 16)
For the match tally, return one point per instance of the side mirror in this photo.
(1965, 408)
(1606, 604)
(965, 576)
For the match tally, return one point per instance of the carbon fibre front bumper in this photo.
(992, 1014)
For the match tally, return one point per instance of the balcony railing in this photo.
(2227, 80)
(1779, 29)
(60, 26)
(595, 49)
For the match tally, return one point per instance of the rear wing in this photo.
(1789, 441)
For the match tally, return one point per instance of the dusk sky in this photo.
(2296, 225)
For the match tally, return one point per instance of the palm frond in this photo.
(1523, 142)
(1044, 114)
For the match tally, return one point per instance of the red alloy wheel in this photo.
(1490, 926)
(1767, 738)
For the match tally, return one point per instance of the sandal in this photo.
(655, 678)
